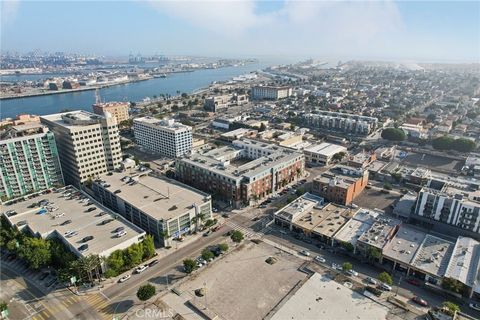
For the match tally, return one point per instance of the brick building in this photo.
(245, 172)
(340, 184)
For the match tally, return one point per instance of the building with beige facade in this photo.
(88, 144)
(117, 109)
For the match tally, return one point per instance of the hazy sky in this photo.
(428, 30)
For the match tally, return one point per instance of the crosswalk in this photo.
(101, 304)
(52, 310)
(248, 233)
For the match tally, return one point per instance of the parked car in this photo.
(87, 238)
(414, 282)
(152, 263)
(124, 278)
(305, 253)
(385, 287)
(64, 223)
(91, 209)
(119, 229)
(371, 280)
(475, 306)
(353, 273)
(420, 301)
(206, 234)
(83, 248)
(140, 269)
(121, 234)
(320, 259)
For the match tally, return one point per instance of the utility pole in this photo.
(398, 285)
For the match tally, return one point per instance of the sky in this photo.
(385, 30)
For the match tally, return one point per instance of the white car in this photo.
(353, 273)
(124, 278)
(385, 287)
(320, 259)
(371, 280)
(141, 268)
(475, 306)
(121, 234)
(305, 253)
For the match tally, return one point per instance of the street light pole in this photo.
(398, 285)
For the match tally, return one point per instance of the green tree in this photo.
(393, 134)
(189, 265)
(237, 236)
(338, 156)
(262, 128)
(61, 257)
(450, 308)
(347, 266)
(385, 277)
(443, 143)
(373, 254)
(464, 145)
(452, 285)
(145, 292)
(133, 255)
(36, 252)
(115, 261)
(148, 247)
(3, 306)
(223, 247)
(207, 254)
(348, 246)
(300, 192)
(387, 186)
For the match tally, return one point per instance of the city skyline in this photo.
(385, 30)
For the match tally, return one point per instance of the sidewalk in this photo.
(160, 253)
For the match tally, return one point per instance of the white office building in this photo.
(323, 153)
(166, 137)
(88, 144)
(270, 92)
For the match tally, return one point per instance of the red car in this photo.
(414, 282)
(420, 301)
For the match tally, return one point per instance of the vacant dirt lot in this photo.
(242, 285)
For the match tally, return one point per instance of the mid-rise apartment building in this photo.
(164, 208)
(117, 109)
(341, 122)
(28, 160)
(88, 144)
(166, 137)
(242, 173)
(271, 92)
(449, 206)
(340, 184)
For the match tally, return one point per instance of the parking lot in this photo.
(242, 285)
(374, 198)
(433, 162)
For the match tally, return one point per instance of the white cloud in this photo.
(300, 27)
(8, 9)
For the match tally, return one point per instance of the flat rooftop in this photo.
(73, 118)
(433, 255)
(326, 149)
(380, 231)
(69, 204)
(403, 247)
(355, 227)
(340, 176)
(325, 221)
(162, 199)
(167, 124)
(304, 203)
(321, 298)
(465, 261)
